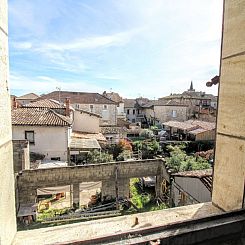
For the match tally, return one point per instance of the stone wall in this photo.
(7, 200)
(229, 169)
(165, 113)
(30, 180)
(21, 155)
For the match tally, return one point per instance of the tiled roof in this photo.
(111, 130)
(113, 96)
(168, 102)
(83, 144)
(83, 135)
(38, 117)
(202, 124)
(195, 173)
(78, 97)
(30, 96)
(180, 125)
(191, 125)
(197, 131)
(129, 103)
(191, 95)
(46, 103)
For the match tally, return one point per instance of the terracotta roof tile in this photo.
(113, 96)
(78, 97)
(38, 117)
(46, 103)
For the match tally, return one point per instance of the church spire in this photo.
(191, 87)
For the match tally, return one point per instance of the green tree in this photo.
(180, 161)
(149, 148)
(147, 134)
(98, 157)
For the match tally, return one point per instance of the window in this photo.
(133, 111)
(91, 107)
(55, 158)
(174, 113)
(133, 120)
(105, 107)
(77, 106)
(128, 111)
(29, 135)
(138, 111)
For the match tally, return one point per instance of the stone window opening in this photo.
(29, 135)
(91, 107)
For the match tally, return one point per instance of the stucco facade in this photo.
(50, 141)
(85, 122)
(165, 113)
(108, 112)
(7, 194)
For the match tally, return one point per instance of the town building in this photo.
(91, 102)
(27, 98)
(120, 103)
(149, 112)
(166, 110)
(198, 102)
(139, 110)
(48, 132)
(190, 130)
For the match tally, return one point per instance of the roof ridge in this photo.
(63, 118)
(107, 98)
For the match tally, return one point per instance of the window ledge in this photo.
(109, 226)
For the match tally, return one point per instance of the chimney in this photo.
(15, 104)
(67, 103)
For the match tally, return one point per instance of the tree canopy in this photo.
(180, 161)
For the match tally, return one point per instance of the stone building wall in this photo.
(166, 113)
(229, 168)
(30, 180)
(21, 154)
(7, 196)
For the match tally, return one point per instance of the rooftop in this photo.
(78, 97)
(113, 96)
(30, 96)
(38, 117)
(46, 103)
(84, 135)
(194, 126)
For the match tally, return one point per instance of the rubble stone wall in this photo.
(30, 180)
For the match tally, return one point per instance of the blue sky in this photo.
(138, 48)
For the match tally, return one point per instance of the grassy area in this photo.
(144, 201)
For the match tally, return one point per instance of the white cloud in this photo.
(21, 45)
(45, 84)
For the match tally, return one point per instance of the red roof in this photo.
(78, 97)
(39, 117)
